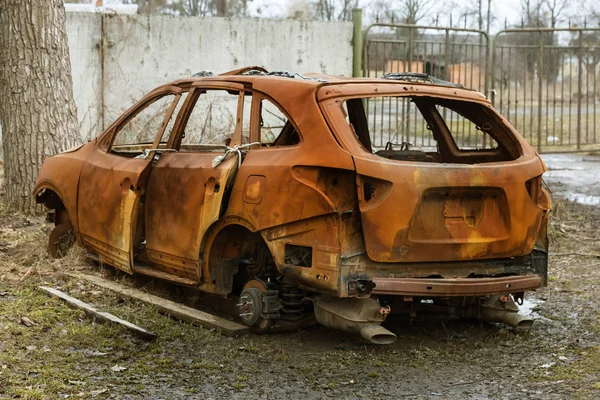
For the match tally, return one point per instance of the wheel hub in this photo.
(259, 305)
(250, 306)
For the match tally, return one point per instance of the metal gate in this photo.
(544, 81)
(546, 84)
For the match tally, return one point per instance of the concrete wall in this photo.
(142, 52)
(83, 30)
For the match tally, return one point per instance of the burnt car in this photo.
(313, 197)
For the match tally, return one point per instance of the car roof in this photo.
(253, 75)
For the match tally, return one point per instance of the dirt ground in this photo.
(65, 354)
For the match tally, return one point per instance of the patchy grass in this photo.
(66, 353)
(583, 372)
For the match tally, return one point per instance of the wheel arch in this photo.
(225, 244)
(50, 196)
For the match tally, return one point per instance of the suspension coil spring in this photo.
(291, 299)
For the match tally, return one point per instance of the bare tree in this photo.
(556, 8)
(413, 11)
(590, 41)
(335, 10)
(37, 111)
(531, 13)
(472, 15)
(195, 8)
(382, 11)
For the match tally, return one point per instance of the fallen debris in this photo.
(95, 393)
(99, 315)
(30, 272)
(178, 311)
(27, 322)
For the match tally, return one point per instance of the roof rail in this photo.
(419, 77)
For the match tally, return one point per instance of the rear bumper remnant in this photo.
(455, 286)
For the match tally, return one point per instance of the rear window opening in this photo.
(429, 129)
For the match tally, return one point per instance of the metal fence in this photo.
(547, 89)
(544, 81)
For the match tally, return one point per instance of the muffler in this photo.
(354, 315)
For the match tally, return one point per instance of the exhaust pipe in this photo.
(511, 318)
(377, 334)
(363, 316)
(517, 320)
(493, 309)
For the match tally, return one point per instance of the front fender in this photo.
(60, 174)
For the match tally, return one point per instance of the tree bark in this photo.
(221, 8)
(37, 110)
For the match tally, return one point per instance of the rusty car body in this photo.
(280, 194)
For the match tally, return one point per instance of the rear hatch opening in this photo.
(430, 129)
(440, 179)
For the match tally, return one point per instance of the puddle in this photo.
(583, 198)
(574, 177)
(528, 308)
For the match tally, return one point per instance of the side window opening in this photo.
(427, 129)
(275, 127)
(169, 129)
(211, 122)
(141, 130)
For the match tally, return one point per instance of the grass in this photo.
(582, 373)
(38, 361)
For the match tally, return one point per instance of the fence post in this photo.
(579, 86)
(357, 42)
(410, 48)
(446, 59)
(491, 68)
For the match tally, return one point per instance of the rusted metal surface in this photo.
(455, 286)
(315, 212)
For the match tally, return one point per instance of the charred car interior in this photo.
(309, 198)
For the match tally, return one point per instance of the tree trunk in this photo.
(37, 110)
(222, 8)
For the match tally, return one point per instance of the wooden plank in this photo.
(175, 310)
(99, 315)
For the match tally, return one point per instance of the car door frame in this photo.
(116, 246)
(186, 262)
